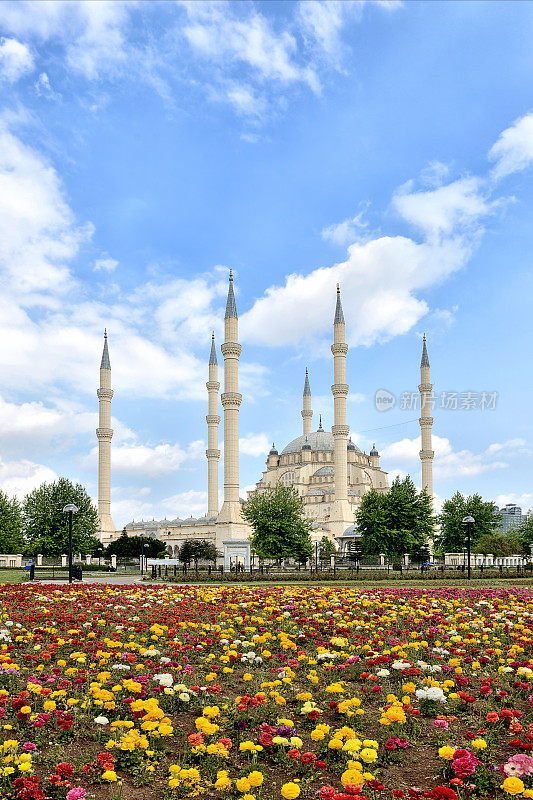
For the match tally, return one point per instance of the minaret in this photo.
(104, 432)
(231, 400)
(307, 411)
(212, 453)
(426, 421)
(340, 429)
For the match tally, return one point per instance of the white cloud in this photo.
(38, 232)
(322, 22)
(43, 87)
(513, 151)
(17, 478)
(346, 232)
(382, 278)
(215, 32)
(16, 60)
(447, 209)
(153, 461)
(448, 463)
(105, 264)
(93, 33)
(190, 503)
(524, 500)
(254, 444)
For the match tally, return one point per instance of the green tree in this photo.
(326, 548)
(45, 525)
(451, 538)
(279, 522)
(132, 547)
(395, 523)
(10, 525)
(525, 532)
(498, 544)
(197, 550)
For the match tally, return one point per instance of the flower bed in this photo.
(253, 693)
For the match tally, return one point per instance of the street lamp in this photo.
(70, 509)
(99, 551)
(468, 521)
(145, 548)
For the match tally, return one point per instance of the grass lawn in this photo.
(13, 575)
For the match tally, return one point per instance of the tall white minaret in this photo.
(307, 411)
(212, 453)
(426, 421)
(231, 400)
(340, 429)
(104, 432)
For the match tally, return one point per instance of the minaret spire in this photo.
(341, 513)
(307, 411)
(231, 401)
(212, 453)
(426, 422)
(104, 433)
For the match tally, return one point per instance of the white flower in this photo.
(383, 673)
(151, 653)
(184, 697)
(101, 720)
(164, 679)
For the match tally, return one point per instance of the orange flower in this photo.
(195, 739)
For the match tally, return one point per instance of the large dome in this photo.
(319, 440)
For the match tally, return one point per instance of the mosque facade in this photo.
(329, 472)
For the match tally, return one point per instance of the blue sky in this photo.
(146, 148)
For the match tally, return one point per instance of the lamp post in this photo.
(145, 555)
(70, 509)
(99, 551)
(468, 521)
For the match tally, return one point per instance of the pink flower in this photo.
(441, 723)
(519, 765)
(464, 763)
(76, 794)
(29, 747)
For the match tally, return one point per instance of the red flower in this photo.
(443, 793)
(65, 770)
(327, 793)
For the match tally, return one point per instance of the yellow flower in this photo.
(446, 752)
(513, 786)
(290, 790)
(368, 755)
(255, 778)
(479, 744)
(352, 777)
(109, 775)
(243, 784)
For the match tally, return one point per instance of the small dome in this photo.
(374, 452)
(326, 470)
(306, 446)
(351, 445)
(351, 532)
(273, 451)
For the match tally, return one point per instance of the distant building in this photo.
(511, 517)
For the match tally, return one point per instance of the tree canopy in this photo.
(132, 547)
(197, 550)
(398, 522)
(45, 523)
(326, 548)
(10, 525)
(451, 538)
(279, 523)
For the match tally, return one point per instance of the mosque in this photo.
(330, 473)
